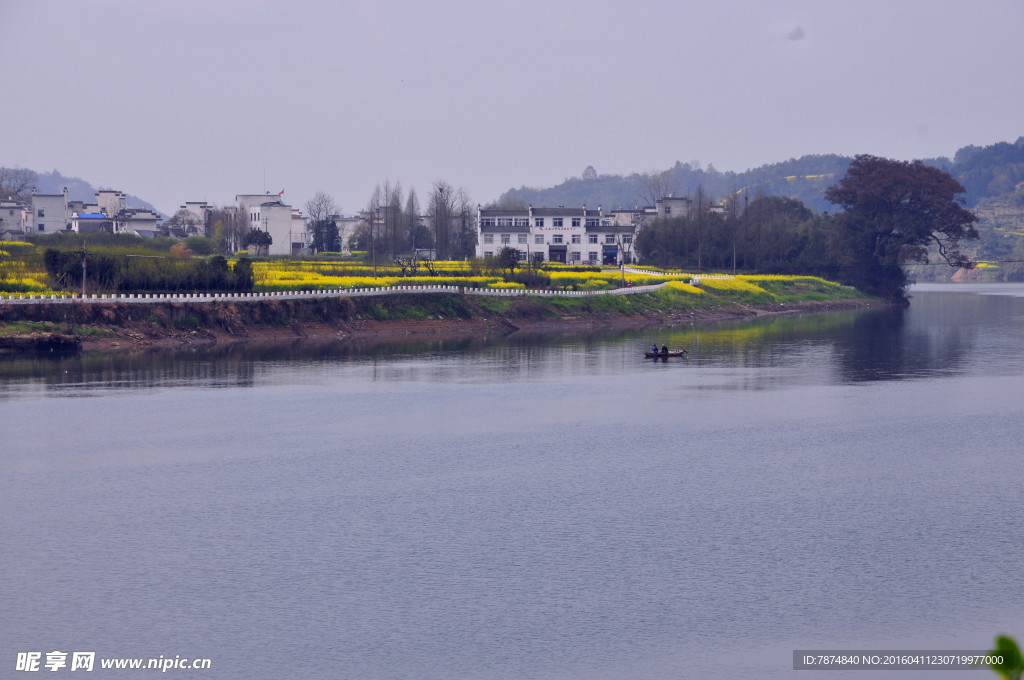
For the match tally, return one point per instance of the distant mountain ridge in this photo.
(985, 172)
(79, 190)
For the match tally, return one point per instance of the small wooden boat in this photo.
(672, 353)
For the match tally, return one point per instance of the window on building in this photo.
(538, 239)
(506, 239)
(556, 238)
(592, 238)
(488, 239)
(42, 213)
(627, 239)
(40, 227)
(522, 222)
(576, 256)
(609, 238)
(488, 253)
(576, 221)
(668, 210)
(593, 222)
(504, 221)
(521, 238)
(538, 221)
(486, 221)
(575, 238)
(592, 256)
(556, 221)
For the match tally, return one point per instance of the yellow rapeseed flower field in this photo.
(683, 287)
(789, 278)
(731, 284)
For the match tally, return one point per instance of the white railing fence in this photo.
(159, 298)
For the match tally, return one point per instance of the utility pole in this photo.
(746, 226)
(84, 255)
(373, 245)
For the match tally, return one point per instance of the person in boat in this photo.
(664, 349)
(654, 349)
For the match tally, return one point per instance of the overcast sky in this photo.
(183, 100)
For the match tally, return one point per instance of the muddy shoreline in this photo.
(120, 327)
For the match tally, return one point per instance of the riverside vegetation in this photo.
(124, 265)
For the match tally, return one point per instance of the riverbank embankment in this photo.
(87, 325)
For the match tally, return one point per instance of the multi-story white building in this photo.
(49, 213)
(141, 221)
(299, 238)
(286, 226)
(12, 220)
(200, 212)
(571, 235)
(347, 227)
(111, 202)
(568, 235)
(246, 202)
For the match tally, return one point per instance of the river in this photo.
(537, 507)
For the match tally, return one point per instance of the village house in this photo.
(571, 235)
(199, 212)
(286, 225)
(48, 213)
(137, 221)
(91, 223)
(12, 220)
(347, 228)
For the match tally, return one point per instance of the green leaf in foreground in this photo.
(1012, 666)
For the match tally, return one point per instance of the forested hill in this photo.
(79, 190)
(984, 171)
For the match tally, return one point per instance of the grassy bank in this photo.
(169, 324)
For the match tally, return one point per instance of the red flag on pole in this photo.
(281, 192)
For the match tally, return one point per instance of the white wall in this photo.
(54, 217)
(276, 218)
(111, 202)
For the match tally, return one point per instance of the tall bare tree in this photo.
(321, 211)
(17, 183)
(656, 186)
(393, 221)
(465, 225)
(371, 219)
(701, 219)
(418, 235)
(186, 221)
(442, 206)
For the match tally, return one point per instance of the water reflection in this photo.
(946, 330)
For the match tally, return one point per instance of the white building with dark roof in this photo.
(285, 225)
(200, 212)
(137, 220)
(110, 201)
(568, 235)
(49, 213)
(572, 235)
(347, 227)
(12, 220)
(91, 223)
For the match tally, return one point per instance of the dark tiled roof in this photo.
(610, 229)
(558, 212)
(505, 213)
(505, 230)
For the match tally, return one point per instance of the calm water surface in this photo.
(526, 508)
